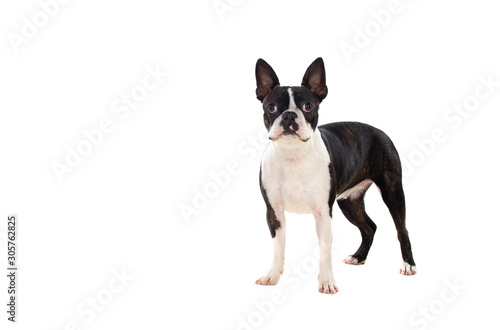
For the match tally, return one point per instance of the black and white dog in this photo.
(307, 167)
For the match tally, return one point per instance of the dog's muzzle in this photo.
(288, 122)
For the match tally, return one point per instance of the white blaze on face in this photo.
(305, 130)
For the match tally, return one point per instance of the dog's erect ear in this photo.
(266, 79)
(315, 79)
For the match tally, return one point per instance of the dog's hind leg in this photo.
(354, 210)
(391, 188)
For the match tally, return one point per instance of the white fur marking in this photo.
(407, 269)
(291, 104)
(356, 190)
(350, 260)
(295, 174)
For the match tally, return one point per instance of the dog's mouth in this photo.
(289, 135)
(289, 132)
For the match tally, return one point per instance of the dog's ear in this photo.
(315, 79)
(266, 79)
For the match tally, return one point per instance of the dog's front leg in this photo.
(326, 280)
(277, 224)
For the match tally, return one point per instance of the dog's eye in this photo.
(272, 108)
(307, 107)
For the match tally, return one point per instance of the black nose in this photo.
(288, 119)
(288, 116)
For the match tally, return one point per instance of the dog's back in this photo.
(359, 152)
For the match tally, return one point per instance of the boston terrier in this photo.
(306, 168)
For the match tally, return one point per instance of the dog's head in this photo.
(291, 112)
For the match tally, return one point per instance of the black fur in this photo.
(359, 152)
(272, 222)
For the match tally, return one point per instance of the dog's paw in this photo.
(271, 278)
(328, 287)
(407, 269)
(268, 280)
(350, 260)
(327, 284)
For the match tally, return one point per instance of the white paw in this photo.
(327, 284)
(328, 288)
(350, 260)
(271, 278)
(407, 269)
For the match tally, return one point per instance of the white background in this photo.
(119, 210)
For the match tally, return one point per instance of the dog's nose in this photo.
(288, 116)
(288, 121)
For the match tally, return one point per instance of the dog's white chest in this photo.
(297, 181)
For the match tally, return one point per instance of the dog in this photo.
(306, 168)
